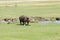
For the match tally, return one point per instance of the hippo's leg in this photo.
(27, 23)
(24, 22)
(20, 22)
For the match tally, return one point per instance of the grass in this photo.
(36, 31)
(32, 10)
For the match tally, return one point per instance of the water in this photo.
(46, 22)
(57, 22)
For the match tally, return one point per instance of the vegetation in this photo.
(46, 10)
(37, 31)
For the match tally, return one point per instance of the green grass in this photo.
(36, 31)
(32, 10)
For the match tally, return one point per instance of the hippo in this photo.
(24, 20)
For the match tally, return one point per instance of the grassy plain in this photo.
(36, 31)
(31, 9)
